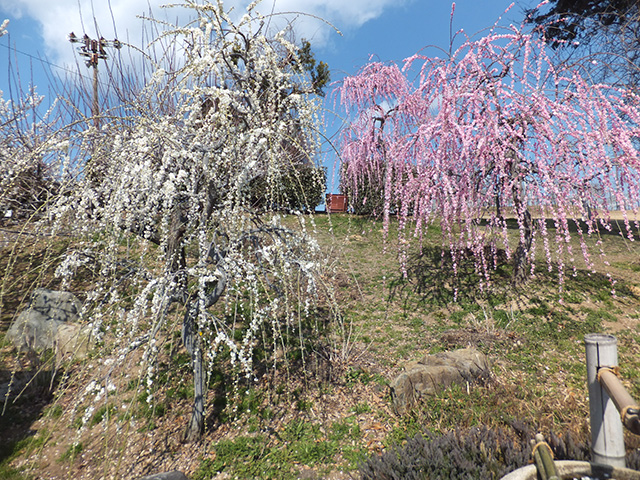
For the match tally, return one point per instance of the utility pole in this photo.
(94, 50)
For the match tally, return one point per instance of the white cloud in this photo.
(342, 15)
(60, 17)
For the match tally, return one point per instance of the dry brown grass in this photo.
(535, 343)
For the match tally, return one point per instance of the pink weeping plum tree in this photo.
(495, 129)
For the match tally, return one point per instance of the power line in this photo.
(40, 59)
(51, 64)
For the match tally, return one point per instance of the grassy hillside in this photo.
(327, 409)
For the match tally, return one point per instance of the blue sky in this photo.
(390, 30)
(403, 30)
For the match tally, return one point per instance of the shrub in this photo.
(464, 454)
(301, 188)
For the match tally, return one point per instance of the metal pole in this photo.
(607, 440)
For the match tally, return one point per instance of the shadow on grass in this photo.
(304, 358)
(617, 227)
(30, 394)
(431, 278)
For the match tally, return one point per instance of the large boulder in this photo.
(436, 372)
(50, 321)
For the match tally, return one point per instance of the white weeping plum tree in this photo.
(243, 106)
(32, 153)
(32, 150)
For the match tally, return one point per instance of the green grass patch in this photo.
(104, 412)
(300, 443)
(71, 453)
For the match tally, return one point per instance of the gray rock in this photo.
(59, 306)
(436, 372)
(72, 339)
(33, 331)
(48, 322)
(175, 475)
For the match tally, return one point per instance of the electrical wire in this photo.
(40, 59)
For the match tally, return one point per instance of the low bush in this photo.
(465, 454)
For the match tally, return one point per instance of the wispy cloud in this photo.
(120, 18)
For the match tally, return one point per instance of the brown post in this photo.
(95, 109)
(93, 51)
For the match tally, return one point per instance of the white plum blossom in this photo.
(175, 186)
(30, 150)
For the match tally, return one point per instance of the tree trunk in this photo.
(195, 427)
(191, 340)
(176, 257)
(521, 255)
(498, 194)
(175, 249)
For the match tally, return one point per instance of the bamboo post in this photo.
(626, 405)
(543, 458)
(607, 440)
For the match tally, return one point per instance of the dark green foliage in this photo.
(469, 454)
(29, 191)
(567, 20)
(365, 193)
(319, 71)
(301, 188)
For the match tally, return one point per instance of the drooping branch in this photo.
(183, 178)
(496, 125)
